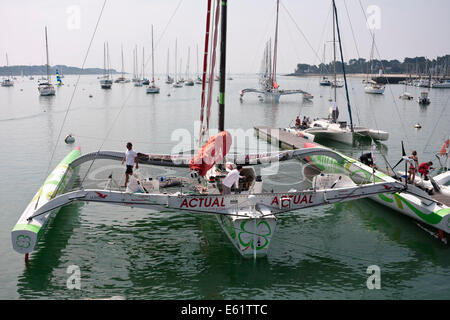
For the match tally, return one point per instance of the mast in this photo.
(274, 75)
(176, 62)
(323, 60)
(135, 72)
(104, 60)
(371, 57)
(197, 60)
(7, 64)
(122, 61)
(343, 68)
(46, 50)
(334, 54)
(153, 62)
(108, 64)
(205, 69)
(167, 63)
(143, 61)
(223, 48)
(187, 65)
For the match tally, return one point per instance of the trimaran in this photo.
(269, 88)
(249, 216)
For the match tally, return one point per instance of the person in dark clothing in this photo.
(366, 158)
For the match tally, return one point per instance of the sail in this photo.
(58, 78)
(211, 153)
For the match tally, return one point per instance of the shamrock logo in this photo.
(23, 242)
(246, 237)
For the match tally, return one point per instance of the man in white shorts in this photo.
(130, 158)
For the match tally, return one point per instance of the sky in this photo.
(403, 28)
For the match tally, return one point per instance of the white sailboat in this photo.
(122, 78)
(331, 128)
(406, 95)
(152, 88)
(424, 99)
(198, 79)
(269, 87)
(177, 83)
(106, 81)
(46, 88)
(169, 79)
(7, 82)
(188, 82)
(442, 84)
(324, 81)
(144, 80)
(371, 86)
(137, 81)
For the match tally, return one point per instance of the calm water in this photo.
(320, 253)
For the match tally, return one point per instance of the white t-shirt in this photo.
(231, 178)
(130, 155)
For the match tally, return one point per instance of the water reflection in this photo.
(38, 278)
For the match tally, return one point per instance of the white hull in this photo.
(406, 96)
(374, 90)
(106, 84)
(441, 85)
(378, 135)
(152, 90)
(343, 137)
(272, 97)
(7, 83)
(47, 90)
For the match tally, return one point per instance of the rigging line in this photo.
(301, 32)
(262, 41)
(215, 26)
(76, 85)
(436, 125)
(351, 27)
(387, 80)
(322, 37)
(164, 31)
(124, 103)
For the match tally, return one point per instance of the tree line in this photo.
(42, 70)
(414, 66)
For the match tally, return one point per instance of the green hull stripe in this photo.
(443, 212)
(28, 227)
(432, 218)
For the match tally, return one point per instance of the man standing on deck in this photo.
(130, 158)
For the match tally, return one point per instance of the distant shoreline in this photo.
(37, 70)
(351, 75)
